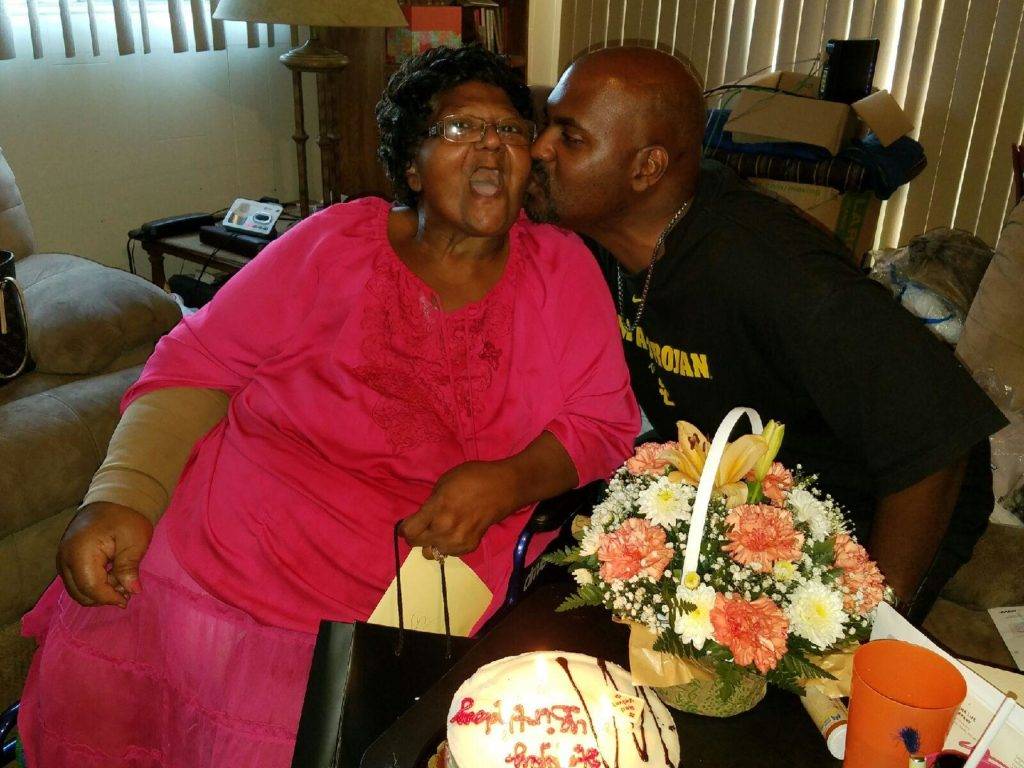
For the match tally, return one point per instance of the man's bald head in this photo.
(623, 141)
(664, 92)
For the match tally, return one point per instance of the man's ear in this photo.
(412, 177)
(649, 165)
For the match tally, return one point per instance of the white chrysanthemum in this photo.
(695, 627)
(665, 503)
(591, 541)
(784, 571)
(809, 510)
(816, 613)
(583, 577)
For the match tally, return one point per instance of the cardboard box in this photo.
(852, 216)
(789, 82)
(759, 116)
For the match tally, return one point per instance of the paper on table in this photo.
(1010, 623)
(468, 596)
(982, 700)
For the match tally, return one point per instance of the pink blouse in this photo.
(352, 391)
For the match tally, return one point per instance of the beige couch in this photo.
(90, 329)
(992, 346)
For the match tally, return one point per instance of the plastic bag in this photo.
(935, 277)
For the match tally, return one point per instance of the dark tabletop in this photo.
(777, 732)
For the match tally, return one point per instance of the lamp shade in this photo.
(315, 13)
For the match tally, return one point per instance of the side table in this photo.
(188, 248)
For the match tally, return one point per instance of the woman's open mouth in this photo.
(488, 182)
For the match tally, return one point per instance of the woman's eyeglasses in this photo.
(466, 129)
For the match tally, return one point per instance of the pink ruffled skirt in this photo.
(177, 680)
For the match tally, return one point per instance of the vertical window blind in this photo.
(130, 19)
(956, 66)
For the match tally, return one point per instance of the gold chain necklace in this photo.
(659, 250)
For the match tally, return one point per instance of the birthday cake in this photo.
(557, 710)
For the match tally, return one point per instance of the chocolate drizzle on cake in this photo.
(641, 749)
(657, 726)
(564, 664)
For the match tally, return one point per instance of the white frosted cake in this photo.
(557, 710)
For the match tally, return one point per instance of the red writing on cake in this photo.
(558, 718)
(585, 757)
(468, 716)
(521, 757)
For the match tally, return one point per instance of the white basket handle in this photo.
(706, 486)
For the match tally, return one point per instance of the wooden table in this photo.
(188, 248)
(777, 733)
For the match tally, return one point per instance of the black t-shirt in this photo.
(753, 305)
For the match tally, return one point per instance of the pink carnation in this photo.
(636, 547)
(755, 631)
(761, 535)
(647, 459)
(862, 583)
(777, 483)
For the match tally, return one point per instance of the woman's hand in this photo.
(98, 556)
(466, 501)
(471, 497)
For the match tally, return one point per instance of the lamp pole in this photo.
(300, 136)
(313, 56)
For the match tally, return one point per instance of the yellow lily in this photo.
(689, 456)
(772, 434)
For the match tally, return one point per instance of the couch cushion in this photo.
(15, 656)
(83, 315)
(992, 343)
(51, 445)
(15, 228)
(995, 574)
(35, 382)
(28, 563)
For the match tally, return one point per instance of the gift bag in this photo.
(364, 677)
(13, 322)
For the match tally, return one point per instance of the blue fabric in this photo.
(716, 137)
(888, 168)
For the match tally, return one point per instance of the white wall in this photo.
(101, 145)
(545, 23)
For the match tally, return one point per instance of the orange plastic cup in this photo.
(902, 702)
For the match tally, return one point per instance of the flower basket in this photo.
(704, 697)
(732, 570)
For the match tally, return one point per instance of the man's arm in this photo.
(909, 526)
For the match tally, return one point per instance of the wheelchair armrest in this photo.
(8, 719)
(552, 514)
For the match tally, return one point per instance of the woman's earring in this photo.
(412, 178)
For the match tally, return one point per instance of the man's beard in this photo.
(538, 204)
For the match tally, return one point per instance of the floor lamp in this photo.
(313, 56)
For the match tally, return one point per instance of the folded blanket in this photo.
(864, 164)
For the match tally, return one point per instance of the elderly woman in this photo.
(444, 362)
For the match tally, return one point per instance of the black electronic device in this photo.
(193, 291)
(222, 238)
(171, 226)
(849, 70)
